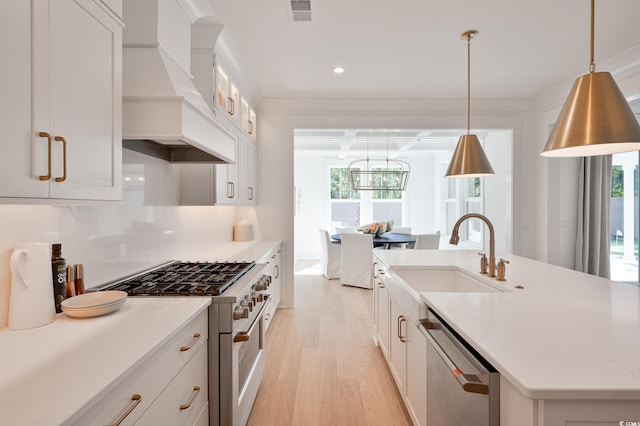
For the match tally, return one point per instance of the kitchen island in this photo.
(565, 343)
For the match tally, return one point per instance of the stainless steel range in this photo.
(240, 293)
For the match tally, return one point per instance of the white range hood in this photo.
(163, 114)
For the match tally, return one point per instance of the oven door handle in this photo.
(469, 382)
(244, 336)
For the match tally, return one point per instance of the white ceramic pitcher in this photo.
(31, 303)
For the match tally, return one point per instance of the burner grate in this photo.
(185, 279)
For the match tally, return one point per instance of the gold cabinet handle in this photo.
(196, 391)
(401, 319)
(251, 193)
(64, 158)
(380, 284)
(232, 106)
(48, 136)
(135, 400)
(196, 337)
(241, 337)
(250, 127)
(277, 271)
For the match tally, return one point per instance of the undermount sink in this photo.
(444, 280)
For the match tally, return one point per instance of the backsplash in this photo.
(148, 228)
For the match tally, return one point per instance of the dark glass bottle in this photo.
(59, 272)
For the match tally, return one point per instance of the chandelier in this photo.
(378, 174)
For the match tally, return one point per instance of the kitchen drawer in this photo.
(149, 379)
(187, 390)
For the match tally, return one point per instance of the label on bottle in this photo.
(59, 283)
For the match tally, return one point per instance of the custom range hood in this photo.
(163, 114)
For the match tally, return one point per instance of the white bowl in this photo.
(94, 312)
(98, 299)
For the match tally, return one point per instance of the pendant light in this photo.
(378, 175)
(469, 159)
(596, 119)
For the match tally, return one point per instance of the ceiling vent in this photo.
(300, 10)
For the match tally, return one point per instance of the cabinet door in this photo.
(384, 326)
(251, 172)
(18, 169)
(398, 346)
(85, 98)
(64, 80)
(416, 396)
(222, 89)
(227, 183)
(252, 124)
(244, 115)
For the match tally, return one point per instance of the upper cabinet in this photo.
(248, 118)
(230, 102)
(227, 95)
(61, 109)
(222, 184)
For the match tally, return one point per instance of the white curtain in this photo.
(594, 199)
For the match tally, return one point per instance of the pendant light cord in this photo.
(592, 64)
(469, 83)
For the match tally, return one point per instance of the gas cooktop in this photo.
(184, 279)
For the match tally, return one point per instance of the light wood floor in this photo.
(322, 365)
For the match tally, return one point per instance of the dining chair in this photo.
(399, 230)
(356, 264)
(329, 256)
(428, 241)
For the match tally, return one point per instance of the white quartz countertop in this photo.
(49, 373)
(566, 335)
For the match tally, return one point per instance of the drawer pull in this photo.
(196, 391)
(135, 400)
(48, 136)
(64, 158)
(196, 337)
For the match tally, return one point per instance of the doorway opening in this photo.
(430, 203)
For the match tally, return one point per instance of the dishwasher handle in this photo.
(469, 382)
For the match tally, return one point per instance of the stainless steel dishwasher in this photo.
(462, 388)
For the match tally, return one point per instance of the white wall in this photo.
(116, 240)
(279, 117)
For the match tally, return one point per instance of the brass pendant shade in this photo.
(596, 119)
(469, 159)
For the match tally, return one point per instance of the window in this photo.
(462, 196)
(624, 217)
(353, 208)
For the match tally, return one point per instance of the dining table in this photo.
(385, 240)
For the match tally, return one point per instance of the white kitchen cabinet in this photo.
(156, 389)
(382, 315)
(183, 399)
(227, 97)
(403, 345)
(408, 361)
(249, 166)
(247, 118)
(274, 261)
(62, 100)
(398, 345)
(222, 184)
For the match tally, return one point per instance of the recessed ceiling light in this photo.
(338, 70)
